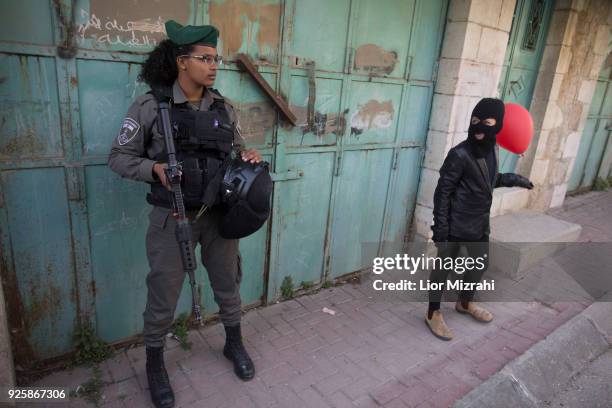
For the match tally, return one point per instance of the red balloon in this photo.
(517, 131)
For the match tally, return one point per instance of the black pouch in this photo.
(192, 182)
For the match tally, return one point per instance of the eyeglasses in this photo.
(208, 59)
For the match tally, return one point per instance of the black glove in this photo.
(523, 182)
(439, 237)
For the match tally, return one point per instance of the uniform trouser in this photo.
(475, 249)
(165, 280)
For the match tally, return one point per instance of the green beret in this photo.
(183, 35)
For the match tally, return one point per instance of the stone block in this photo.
(521, 239)
(448, 75)
(437, 146)
(454, 39)
(485, 12)
(602, 38)
(464, 105)
(553, 117)
(442, 113)
(564, 60)
(562, 27)
(587, 89)
(472, 42)
(572, 143)
(539, 171)
(427, 186)
(542, 144)
(505, 17)
(459, 10)
(476, 79)
(423, 220)
(513, 199)
(493, 45)
(550, 58)
(559, 192)
(496, 204)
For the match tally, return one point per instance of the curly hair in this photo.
(160, 67)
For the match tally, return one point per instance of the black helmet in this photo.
(245, 190)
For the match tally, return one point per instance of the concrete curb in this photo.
(542, 371)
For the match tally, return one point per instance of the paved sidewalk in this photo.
(371, 353)
(591, 388)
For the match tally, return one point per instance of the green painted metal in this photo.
(346, 178)
(362, 99)
(522, 62)
(594, 156)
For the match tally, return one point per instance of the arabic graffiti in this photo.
(142, 33)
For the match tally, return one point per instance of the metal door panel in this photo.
(301, 208)
(29, 106)
(257, 114)
(42, 254)
(26, 21)
(326, 122)
(319, 34)
(359, 209)
(381, 37)
(248, 27)
(414, 119)
(106, 90)
(596, 152)
(118, 219)
(428, 28)
(373, 112)
(401, 200)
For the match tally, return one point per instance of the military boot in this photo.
(234, 351)
(159, 384)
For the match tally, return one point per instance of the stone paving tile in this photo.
(370, 354)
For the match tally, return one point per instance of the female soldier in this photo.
(185, 65)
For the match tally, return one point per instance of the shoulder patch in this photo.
(128, 131)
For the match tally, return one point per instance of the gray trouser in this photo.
(220, 257)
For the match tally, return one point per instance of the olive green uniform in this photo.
(138, 141)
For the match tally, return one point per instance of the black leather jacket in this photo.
(463, 196)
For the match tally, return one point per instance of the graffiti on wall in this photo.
(125, 24)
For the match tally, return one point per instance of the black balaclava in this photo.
(486, 108)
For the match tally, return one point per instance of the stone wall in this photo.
(473, 52)
(576, 47)
(471, 60)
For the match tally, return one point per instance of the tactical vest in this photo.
(203, 141)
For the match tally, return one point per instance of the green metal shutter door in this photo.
(73, 231)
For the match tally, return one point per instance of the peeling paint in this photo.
(25, 144)
(372, 115)
(256, 119)
(323, 124)
(375, 59)
(231, 16)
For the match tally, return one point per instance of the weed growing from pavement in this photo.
(91, 390)
(90, 349)
(306, 285)
(180, 328)
(287, 287)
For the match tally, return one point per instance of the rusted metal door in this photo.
(359, 74)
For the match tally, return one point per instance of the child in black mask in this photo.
(462, 204)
